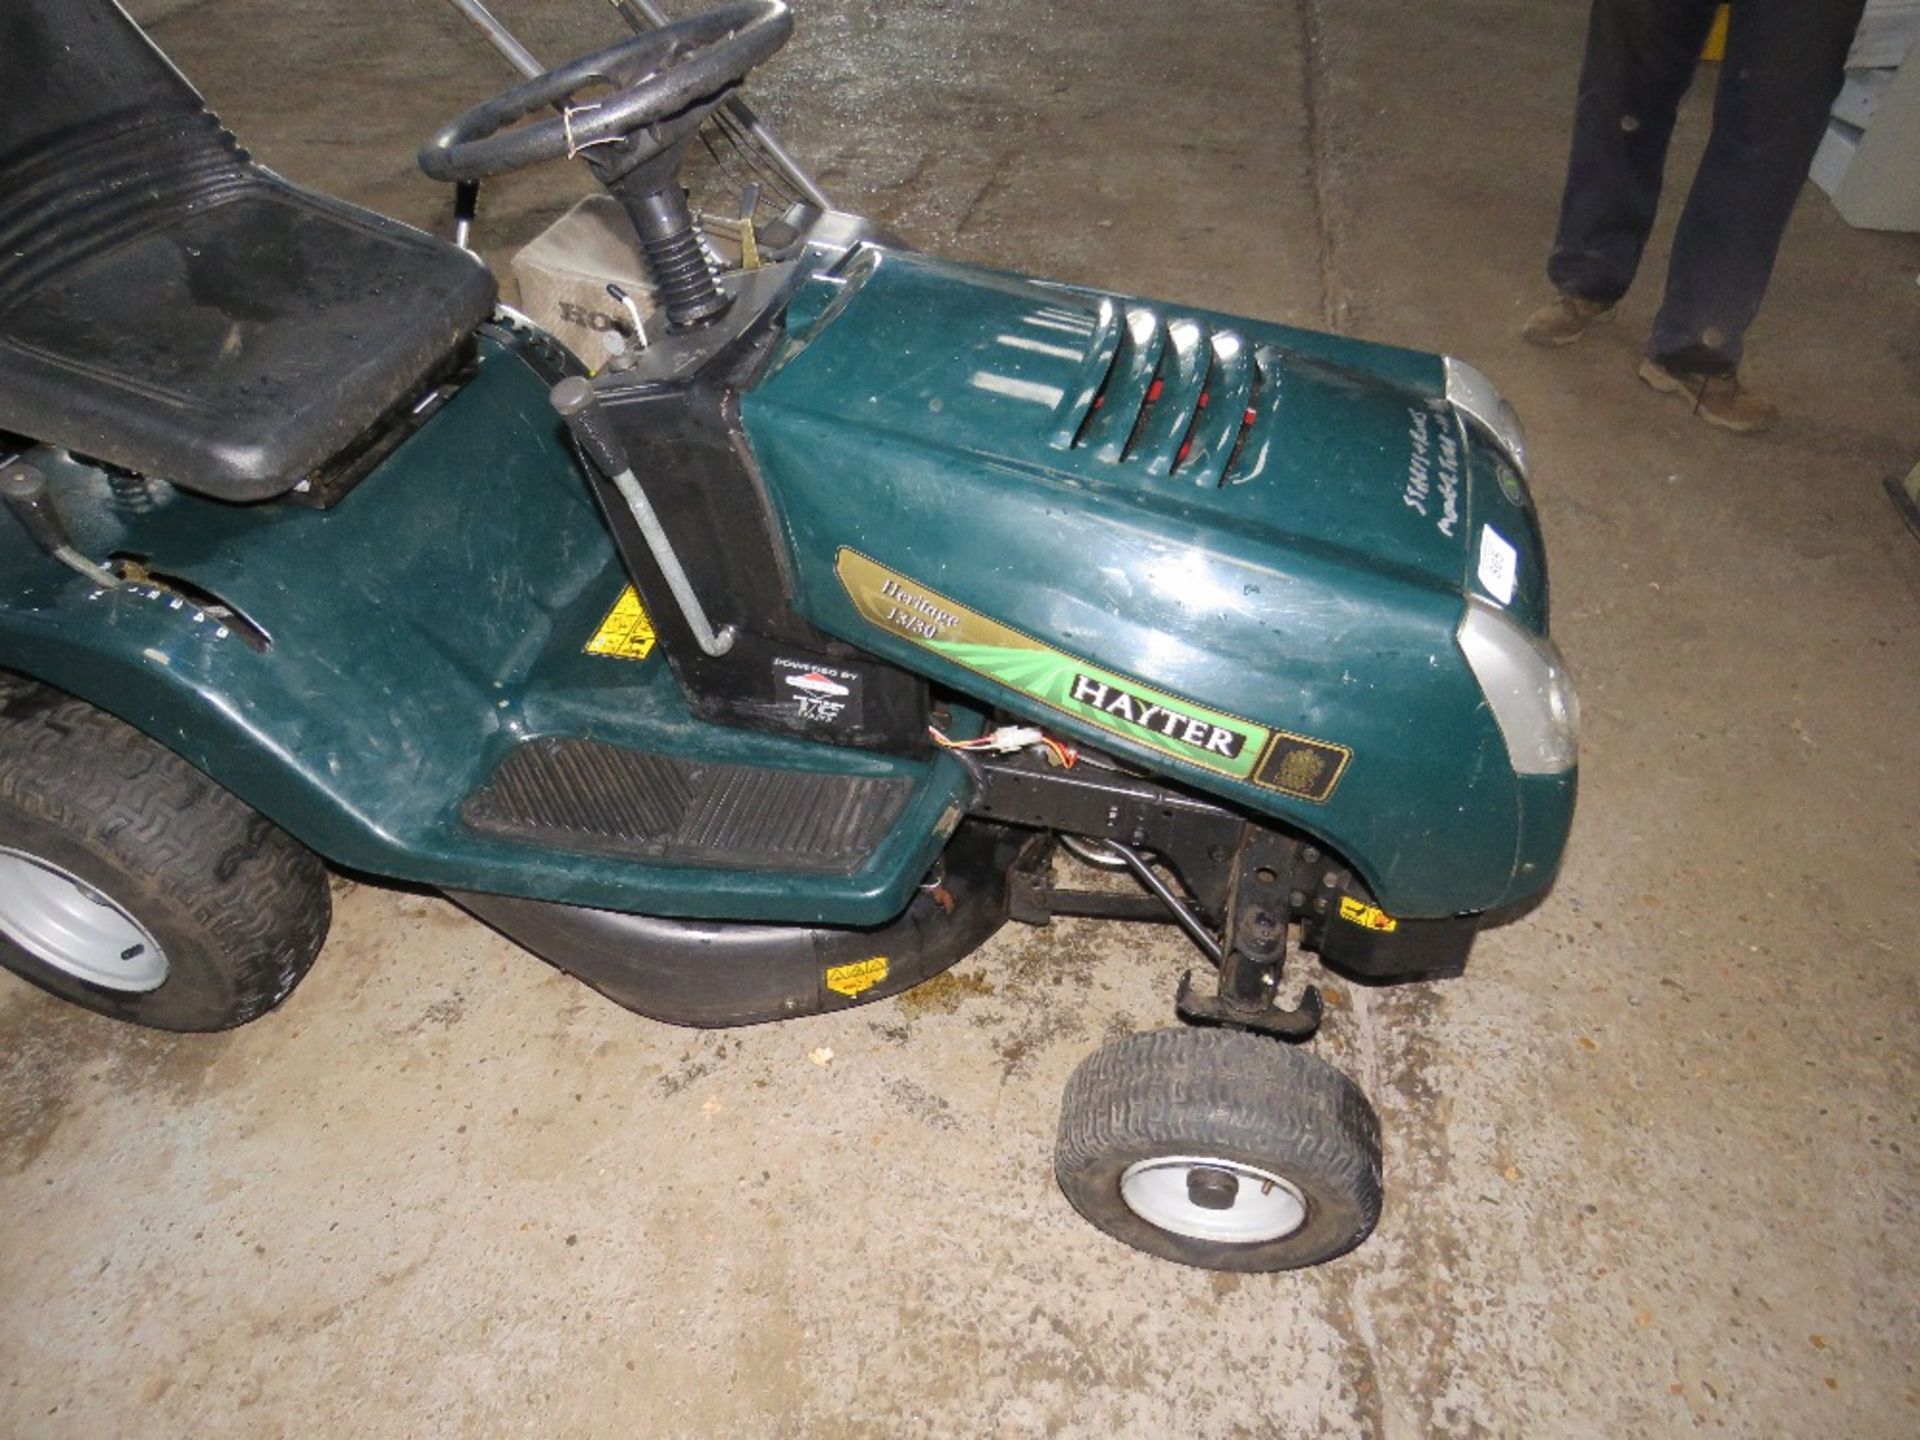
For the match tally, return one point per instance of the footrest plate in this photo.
(583, 795)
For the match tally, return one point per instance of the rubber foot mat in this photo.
(573, 794)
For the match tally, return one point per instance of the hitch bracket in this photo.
(1253, 948)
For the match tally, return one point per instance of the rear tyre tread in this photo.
(259, 898)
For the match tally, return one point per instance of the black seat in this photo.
(168, 305)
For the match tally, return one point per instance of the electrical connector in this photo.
(1009, 738)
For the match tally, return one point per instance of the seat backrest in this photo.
(170, 307)
(99, 138)
(75, 65)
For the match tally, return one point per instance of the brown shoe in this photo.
(1717, 399)
(1565, 320)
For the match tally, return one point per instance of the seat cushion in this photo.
(169, 306)
(234, 349)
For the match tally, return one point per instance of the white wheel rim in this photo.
(1263, 1206)
(58, 918)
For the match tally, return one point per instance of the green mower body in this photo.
(1276, 627)
(769, 668)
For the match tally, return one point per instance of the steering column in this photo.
(654, 91)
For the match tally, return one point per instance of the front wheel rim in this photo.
(59, 919)
(1167, 1192)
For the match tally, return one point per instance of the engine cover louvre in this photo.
(1173, 395)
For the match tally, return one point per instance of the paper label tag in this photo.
(1499, 565)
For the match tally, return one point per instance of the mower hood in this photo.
(1234, 550)
(1312, 443)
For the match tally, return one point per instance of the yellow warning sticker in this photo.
(1369, 917)
(850, 980)
(627, 632)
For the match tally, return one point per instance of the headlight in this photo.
(1472, 393)
(1527, 686)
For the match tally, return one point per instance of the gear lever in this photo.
(576, 403)
(24, 490)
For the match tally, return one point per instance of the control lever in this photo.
(576, 403)
(749, 243)
(24, 490)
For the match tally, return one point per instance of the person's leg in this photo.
(1639, 60)
(1785, 61)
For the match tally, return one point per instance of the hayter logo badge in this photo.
(1135, 710)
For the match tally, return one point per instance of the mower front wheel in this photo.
(1220, 1149)
(133, 885)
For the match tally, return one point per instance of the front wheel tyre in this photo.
(133, 885)
(1220, 1149)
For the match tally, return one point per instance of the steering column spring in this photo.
(675, 258)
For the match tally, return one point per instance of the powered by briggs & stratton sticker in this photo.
(824, 694)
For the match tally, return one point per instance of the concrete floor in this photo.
(1651, 1164)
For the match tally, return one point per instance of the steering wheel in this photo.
(664, 83)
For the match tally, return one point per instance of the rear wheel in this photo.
(133, 885)
(1220, 1149)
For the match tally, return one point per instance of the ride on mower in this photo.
(763, 669)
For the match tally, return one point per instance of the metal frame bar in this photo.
(517, 54)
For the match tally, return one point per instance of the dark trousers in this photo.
(1783, 66)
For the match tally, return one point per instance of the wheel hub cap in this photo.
(1208, 1198)
(1212, 1189)
(58, 918)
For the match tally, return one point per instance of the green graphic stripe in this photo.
(1100, 698)
(1049, 676)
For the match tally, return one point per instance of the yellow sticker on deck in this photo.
(1370, 917)
(850, 980)
(627, 632)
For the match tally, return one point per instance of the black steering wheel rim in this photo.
(665, 81)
